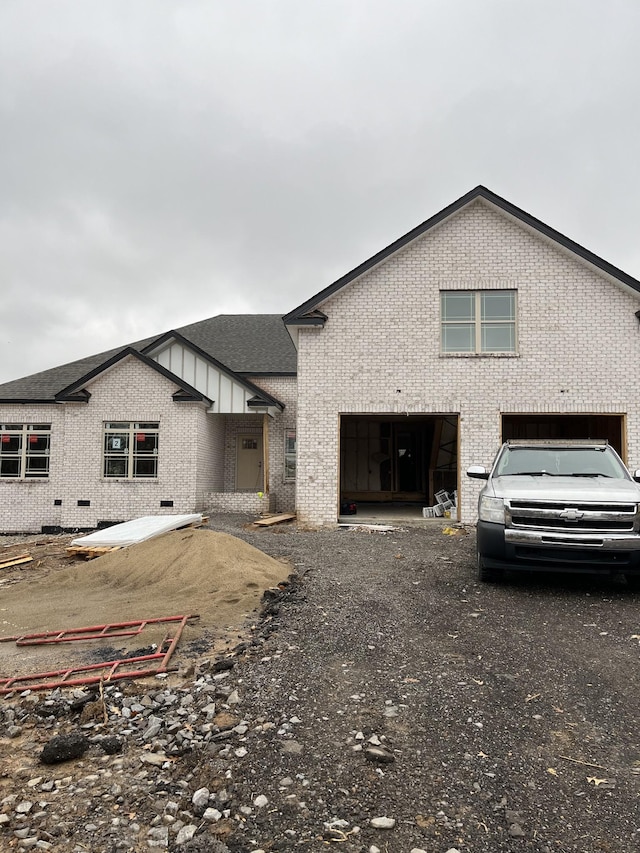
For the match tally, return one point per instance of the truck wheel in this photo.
(487, 575)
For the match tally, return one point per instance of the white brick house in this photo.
(480, 324)
(161, 426)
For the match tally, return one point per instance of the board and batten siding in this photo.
(227, 395)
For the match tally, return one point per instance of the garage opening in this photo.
(398, 459)
(596, 427)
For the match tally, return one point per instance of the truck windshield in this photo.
(560, 462)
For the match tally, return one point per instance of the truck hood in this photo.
(572, 489)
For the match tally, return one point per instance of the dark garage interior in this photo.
(398, 458)
(590, 426)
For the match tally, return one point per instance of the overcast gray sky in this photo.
(163, 161)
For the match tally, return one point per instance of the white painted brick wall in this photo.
(210, 462)
(24, 504)
(130, 391)
(196, 454)
(283, 388)
(579, 348)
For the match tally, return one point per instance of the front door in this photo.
(249, 467)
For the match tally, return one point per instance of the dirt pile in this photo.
(198, 571)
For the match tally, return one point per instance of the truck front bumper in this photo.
(509, 548)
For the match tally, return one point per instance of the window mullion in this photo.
(478, 320)
(131, 440)
(23, 452)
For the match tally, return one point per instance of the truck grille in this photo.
(552, 515)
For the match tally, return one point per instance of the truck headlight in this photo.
(491, 509)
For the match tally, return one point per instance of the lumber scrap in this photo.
(15, 561)
(275, 519)
(90, 552)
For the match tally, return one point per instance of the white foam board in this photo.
(137, 530)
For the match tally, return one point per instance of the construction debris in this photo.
(98, 673)
(454, 531)
(275, 519)
(93, 632)
(445, 506)
(134, 531)
(191, 570)
(16, 561)
(90, 553)
(371, 528)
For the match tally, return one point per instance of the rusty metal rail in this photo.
(91, 632)
(107, 671)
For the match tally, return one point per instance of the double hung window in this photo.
(478, 321)
(24, 450)
(130, 449)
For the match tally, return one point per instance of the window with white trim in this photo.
(290, 454)
(24, 450)
(130, 450)
(478, 321)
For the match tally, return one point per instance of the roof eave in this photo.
(265, 401)
(23, 401)
(317, 318)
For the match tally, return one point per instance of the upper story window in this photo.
(289, 454)
(478, 321)
(24, 450)
(130, 449)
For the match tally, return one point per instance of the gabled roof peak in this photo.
(76, 392)
(303, 313)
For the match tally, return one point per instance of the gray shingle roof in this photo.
(245, 343)
(249, 344)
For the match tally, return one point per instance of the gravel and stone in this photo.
(382, 700)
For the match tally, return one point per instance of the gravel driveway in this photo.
(511, 712)
(390, 702)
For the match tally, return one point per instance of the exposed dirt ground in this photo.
(506, 716)
(191, 571)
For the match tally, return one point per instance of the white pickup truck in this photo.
(569, 506)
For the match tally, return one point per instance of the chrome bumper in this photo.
(606, 541)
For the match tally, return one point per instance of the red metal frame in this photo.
(113, 670)
(90, 632)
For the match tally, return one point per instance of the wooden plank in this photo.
(275, 519)
(193, 524)
(15, 561)
(91, 552)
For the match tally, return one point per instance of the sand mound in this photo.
(185, 571)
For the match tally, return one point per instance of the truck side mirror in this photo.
(479, 472)
(636, 475)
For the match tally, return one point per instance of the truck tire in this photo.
(486, 575)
